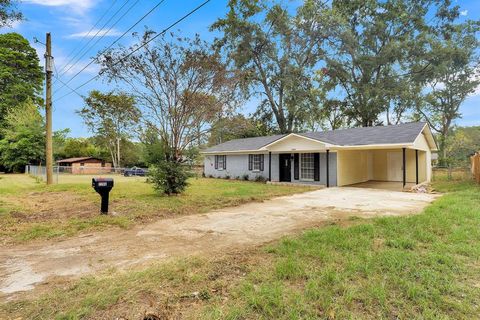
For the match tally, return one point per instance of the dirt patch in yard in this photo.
(45, 206)
(23, 267)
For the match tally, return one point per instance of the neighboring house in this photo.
(331, 158)
(85, 165)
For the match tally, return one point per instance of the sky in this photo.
(69, 22)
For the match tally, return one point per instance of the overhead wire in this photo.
(69, 64)
(143, 45)
(88, 33)
(116, 41)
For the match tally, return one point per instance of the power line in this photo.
(65, 84)
(88, 33)
(143, 45)
(116, 40)
(95, 35)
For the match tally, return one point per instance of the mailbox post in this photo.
(103, 187)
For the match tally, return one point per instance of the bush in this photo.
(227, 177)
(169, 177)
(245, 177)
(260, 179)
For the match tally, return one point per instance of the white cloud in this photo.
(464, 12)
(95, 33)
(76, 5)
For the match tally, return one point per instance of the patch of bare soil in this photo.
(45, 206)
(24, 267)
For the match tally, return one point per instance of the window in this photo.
(257, 162)
(82, 164)
(221, 162)
(306, 166)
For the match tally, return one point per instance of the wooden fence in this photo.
(476, 166)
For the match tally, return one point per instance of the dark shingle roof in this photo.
(245, 144)
(401, 133)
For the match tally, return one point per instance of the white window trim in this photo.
(300, 167)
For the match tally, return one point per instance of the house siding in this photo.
(237, 167)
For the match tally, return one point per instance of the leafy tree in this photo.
(461, 143)
(453, 73)
(153, 148)
(59, 140)
(180, 85)
(371, 56)
(234, 127)
(23, 139)
(79, 147)
(8, 13)
(132, 153)
(276, 53)
(111, 117)
(20, 74)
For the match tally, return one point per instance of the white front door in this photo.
(394, 166)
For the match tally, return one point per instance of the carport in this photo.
(390, 168)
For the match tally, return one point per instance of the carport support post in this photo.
(327, 165)
(416, 166)
(269, 166)
(404, 168)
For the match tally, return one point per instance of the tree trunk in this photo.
(118, 152)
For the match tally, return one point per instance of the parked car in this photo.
(135, 172)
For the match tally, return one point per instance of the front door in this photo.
(285, 167)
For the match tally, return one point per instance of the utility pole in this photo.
(48, 110)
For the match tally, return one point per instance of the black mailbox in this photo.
(103, 187)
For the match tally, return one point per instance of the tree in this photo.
(461, 143)
(111, 117)
(8, 13)
(60, 138)
(371, 56)
(276, 52)
(20, 74)
(180, 84)
(233, 127)
(454, 72)
(23, 139)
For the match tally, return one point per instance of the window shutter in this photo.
(250, 162)
(224, 162)
(262, 162)
(216, 162)
(296, 164)
(316, 166)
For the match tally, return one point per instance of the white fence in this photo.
(41, 172)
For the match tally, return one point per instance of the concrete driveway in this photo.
(22, 267)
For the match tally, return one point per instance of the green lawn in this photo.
(419, 267)
(31, 210)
